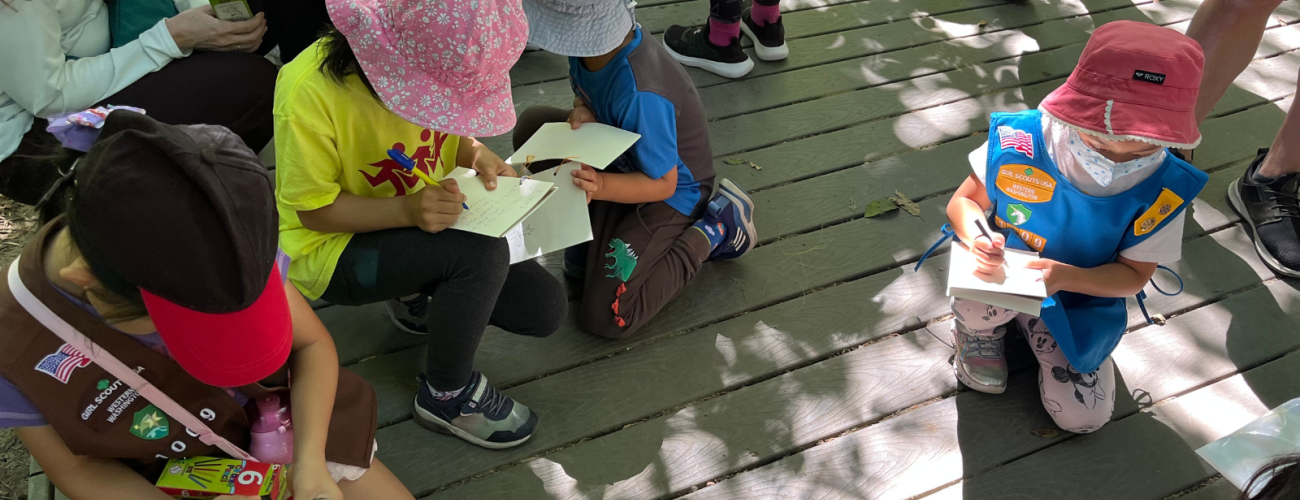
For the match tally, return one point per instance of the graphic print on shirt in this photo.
(62, 363)
(1026, 183)
(1157, 213)
(1018, 214)
(150, 424)
(624, 260)
(428, 158)
(1016, 139)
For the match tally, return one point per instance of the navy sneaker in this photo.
(410, 316)
(575, 261)
(480, 414)
(733, 208)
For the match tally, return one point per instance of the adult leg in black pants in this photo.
(470, 285)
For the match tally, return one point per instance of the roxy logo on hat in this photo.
(1149, 76)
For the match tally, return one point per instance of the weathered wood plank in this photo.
(772, 340)
(800, 22)
(40, 488)
(741, 428)
(1220, 489)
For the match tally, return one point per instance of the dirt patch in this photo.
(17, 224)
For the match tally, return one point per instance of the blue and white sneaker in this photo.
(410, 316)
(480, 414)
(732, 207)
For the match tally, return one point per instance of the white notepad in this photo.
(595, 144)
(493, 213)
(1014, 286)
(560, 222)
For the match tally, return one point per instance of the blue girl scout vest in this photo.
(1033, 201)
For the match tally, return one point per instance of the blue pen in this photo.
(407, 163)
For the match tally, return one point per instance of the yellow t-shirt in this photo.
(331, 138)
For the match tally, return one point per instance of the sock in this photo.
(1255, 176)
(714, 231)
(764, 15)
(721, 34)
(444, 396)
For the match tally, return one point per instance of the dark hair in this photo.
(1279, 480)
(61, 200)
(339, 61)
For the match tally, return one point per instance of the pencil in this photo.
(407, 163)
(983, 231)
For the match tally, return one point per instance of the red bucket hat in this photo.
(1134, 82)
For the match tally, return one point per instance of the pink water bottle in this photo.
(272, 432)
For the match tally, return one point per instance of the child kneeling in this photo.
(1086, 181)
(655, 215)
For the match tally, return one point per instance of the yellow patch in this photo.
(1159, 211)
(1026, 183)
(1034, 241)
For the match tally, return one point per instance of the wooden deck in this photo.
(816, 367)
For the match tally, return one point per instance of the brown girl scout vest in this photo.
(97, 415)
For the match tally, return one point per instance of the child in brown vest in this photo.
(167, 261)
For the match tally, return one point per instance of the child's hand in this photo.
(314, 483)
(588, 179)
(489, 166)
(434, 208)
(1054, 274)
(580, 115)
(988, 253)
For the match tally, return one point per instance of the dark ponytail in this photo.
(340, 62)
(1279, 480)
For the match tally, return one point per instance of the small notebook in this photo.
(494, 213)
(560, 222)
(1014, 286)
(595, 144)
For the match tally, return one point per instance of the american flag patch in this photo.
(61, 364)
(1016, 139)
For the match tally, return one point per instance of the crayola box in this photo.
(202, 478)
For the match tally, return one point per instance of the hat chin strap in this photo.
(194, 426)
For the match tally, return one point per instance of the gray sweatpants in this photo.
(1077, 402)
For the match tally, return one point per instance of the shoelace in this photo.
(1288, 204)
(984, 348)
(492, 401)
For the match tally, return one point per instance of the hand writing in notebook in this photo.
(436, 207)
(988, 253)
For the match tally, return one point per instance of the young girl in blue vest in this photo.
(1087, 181)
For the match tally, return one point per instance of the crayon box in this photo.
(201, 478)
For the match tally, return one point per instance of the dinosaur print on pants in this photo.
(624, 260)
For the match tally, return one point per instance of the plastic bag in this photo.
(79, 130)
(1239, 455)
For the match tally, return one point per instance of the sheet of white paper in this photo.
(493, 213)
(595, 144)
(560, 222)
(1015, 287)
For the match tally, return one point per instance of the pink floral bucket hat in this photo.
(440, 64)
(1135, 82)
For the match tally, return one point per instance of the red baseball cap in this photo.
(202, 249)
(1135, 81)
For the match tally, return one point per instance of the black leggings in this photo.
(470, 280)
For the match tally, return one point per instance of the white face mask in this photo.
(1102, 169)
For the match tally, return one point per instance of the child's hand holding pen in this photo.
(436, 207)
(987, 248)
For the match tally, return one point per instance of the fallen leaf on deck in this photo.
(906, 204)
(983, 23)
(735, 161)
(880, 206)
(755, 165)
(1046, 433)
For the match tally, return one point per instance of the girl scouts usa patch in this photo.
(1026, 183)
(1165, 205)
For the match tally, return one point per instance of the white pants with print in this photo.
(1078, 402)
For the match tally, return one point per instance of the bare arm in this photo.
(1121, 278)
(315, 368)
(85, 478)
(635, 187)
(966, 206)
(432, 209)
